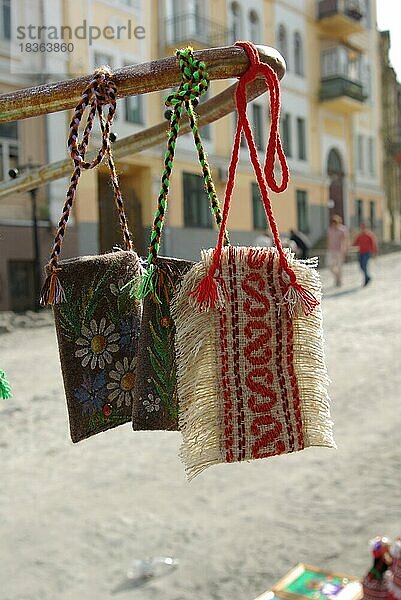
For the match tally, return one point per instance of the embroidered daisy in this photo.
(122, 388)
(151, 403)
(98, 344)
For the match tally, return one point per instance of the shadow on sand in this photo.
(337, 293)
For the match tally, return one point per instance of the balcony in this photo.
(196, 31)
(341, 86)
(341, 18)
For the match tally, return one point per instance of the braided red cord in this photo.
(207, 290)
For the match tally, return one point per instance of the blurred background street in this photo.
(74, 517)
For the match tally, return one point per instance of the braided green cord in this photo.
(195, 83)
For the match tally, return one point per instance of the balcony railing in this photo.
(354, 9)
(342, 75)
(193, 28)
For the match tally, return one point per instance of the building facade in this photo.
(331, 123)
(391, 107)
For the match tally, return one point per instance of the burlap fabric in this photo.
(97, 329)
(155, 404)
(252, 380)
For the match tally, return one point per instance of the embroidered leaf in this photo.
(97, 296)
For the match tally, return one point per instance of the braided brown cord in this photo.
(101, 91)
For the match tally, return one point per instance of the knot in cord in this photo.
(195, 79)
(100, 92)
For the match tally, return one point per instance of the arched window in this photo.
(236, 21)
(334, 163)
(282, 43)
(254, 26)
(298, 54)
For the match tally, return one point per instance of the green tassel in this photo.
(5, 387)
(144, 284)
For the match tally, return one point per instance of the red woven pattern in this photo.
(261, 401)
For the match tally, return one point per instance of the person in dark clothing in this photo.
(302, 241)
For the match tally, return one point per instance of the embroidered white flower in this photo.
(122, 388)
(98, 344)
(116, 289)
(151, 403)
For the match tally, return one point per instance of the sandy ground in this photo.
(73, 517)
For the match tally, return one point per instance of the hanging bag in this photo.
(97, 324)
(155, 403)
(251, 376)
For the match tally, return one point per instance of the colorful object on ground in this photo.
(373, 584)
(305, 582)
(393, 574)
(97, 324)
(252, 381)
(5, 387)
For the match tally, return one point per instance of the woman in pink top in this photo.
(337, 247)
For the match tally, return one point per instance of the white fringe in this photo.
(199, 409)
(309, 363)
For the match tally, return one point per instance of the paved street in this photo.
(73, 517)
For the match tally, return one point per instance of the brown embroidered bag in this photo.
(251, 376)
(155, 403)
(97, 323)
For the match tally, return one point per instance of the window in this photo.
(360, 154)
(133, 106)
(236, 21)
(282, 43)
(257, 119)
(298, 54)
(196, 203)
(102, 60)
(254, 26)
(372, 215)
(302, 211)
(301, 132)
(358, 212)
(8, 147)
(5, 20)
(258, 212)
(371, 156)
(286, 134)
(134, 109)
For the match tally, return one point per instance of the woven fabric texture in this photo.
(155, 403)
(252, 380)
(97, 329)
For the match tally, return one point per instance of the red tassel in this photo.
(210, 292)
(307, 299)
(295, 295)
(52, 291)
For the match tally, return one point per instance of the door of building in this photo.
(336, 190)
(109, 225)
(21, 285)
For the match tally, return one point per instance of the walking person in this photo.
(337, 247)
(302, 241)
(366, 243)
